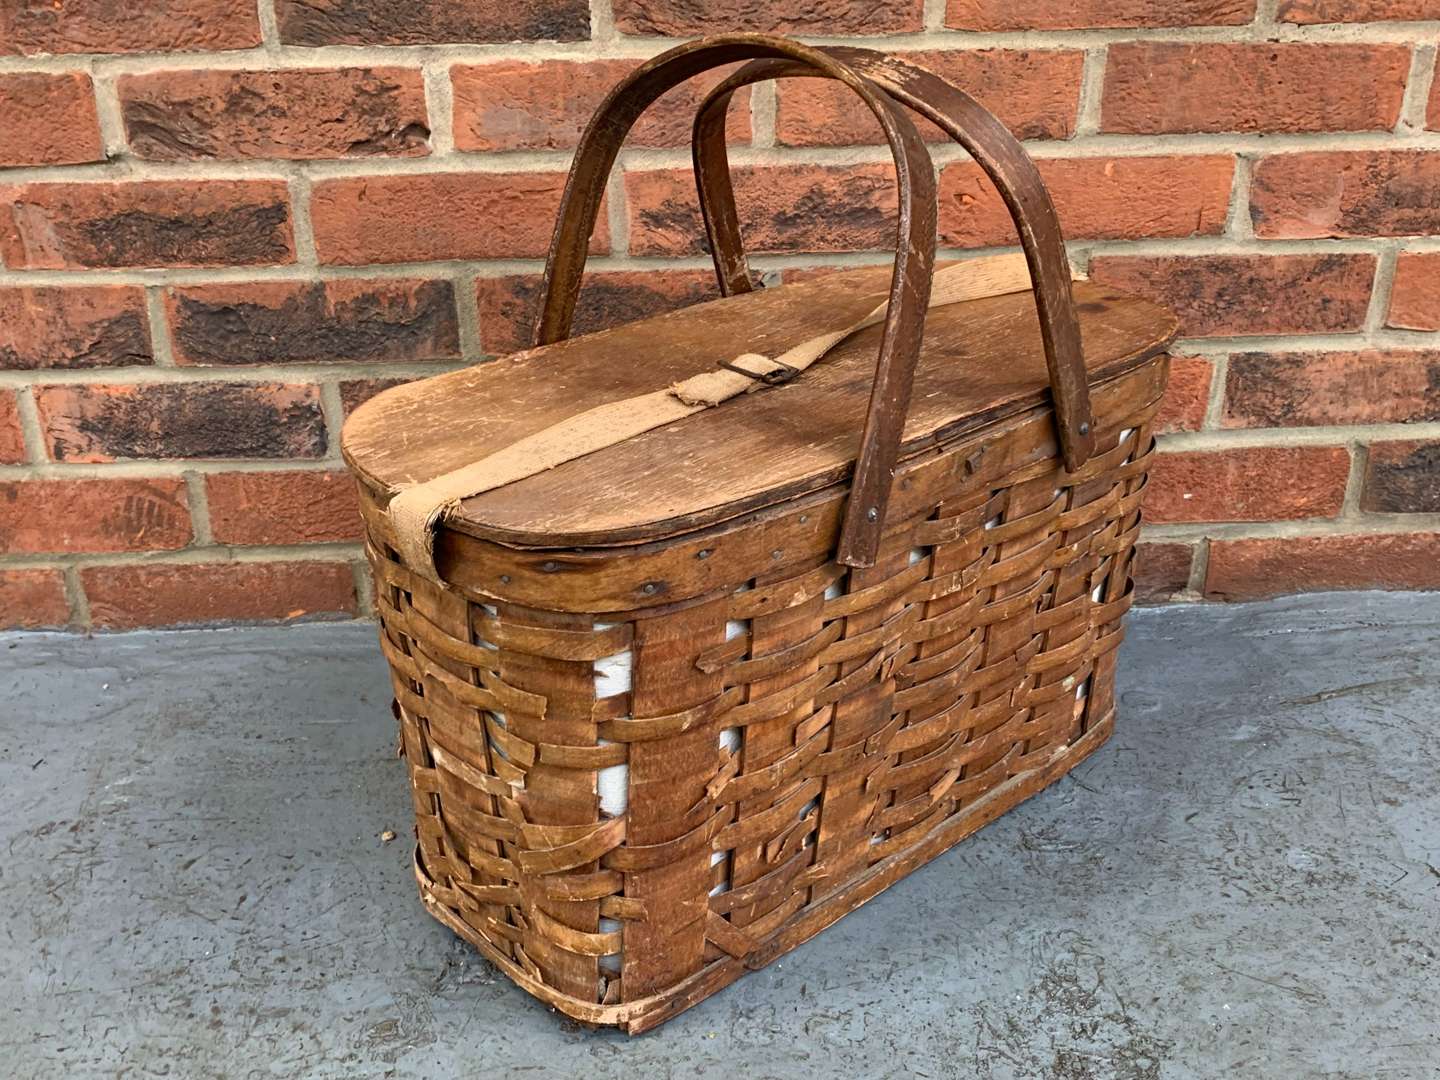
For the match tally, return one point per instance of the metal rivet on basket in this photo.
(776, 553)
(550, 566)
(705, 554)
(872, 514)
(649, 588)
(504, 579)
(804, 518)
(1085, 427)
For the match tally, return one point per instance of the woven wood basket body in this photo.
(672, 705)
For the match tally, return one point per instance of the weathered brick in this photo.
(50, 226)
(355, 392)
(1307, 12)
(319, 113)
(545, 105)
(49, 120)
(782, 208)
(1160, 571)
(283, 507)
(1432, 111)
(1415, 294)
(1035, 93)
(73, 327)
(1248, 294)
(510, 306)
(12, 440)
(1255, 569)
(1262, 483)
(175, 594)
(70, 516)
(1187, 395)
(425, 22)
(182, 420)
(1097, 198)
(1347, 193)
(682, 18)
(1154, 87)
(1001, 15)
(1402, 478)
(1314, 389)
(313, 321)
(429, 216)
(32, 600)
(28, 27)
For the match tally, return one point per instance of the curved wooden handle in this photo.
(915, 240)
(600, 144)
(1004, 160)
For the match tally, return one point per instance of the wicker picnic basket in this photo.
(686, 672)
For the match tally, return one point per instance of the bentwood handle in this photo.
(1013, 173)
(915, 241)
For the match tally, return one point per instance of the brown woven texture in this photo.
(878, 725)
(823, 693)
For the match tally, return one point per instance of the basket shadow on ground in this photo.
(1245, 881)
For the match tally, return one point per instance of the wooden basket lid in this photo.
(981, 361)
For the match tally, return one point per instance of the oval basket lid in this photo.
(981, 361)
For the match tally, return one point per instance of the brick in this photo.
(1432, 111)
(545, 105)
(49, 120)
(1415, 294)
(1256, 569)
(12, 440)
(1160, 571)
(313, 321)
(1034, 92)
(355, 392)
(32, 600)
(1263, 483)
(682, 18)
(384, 219)
(1248, 294)
(233, 115)
(1187, 395)
(181, 420)
(510, 306)
(1340, 194)
(1002, 15)
(1100, 198)
(73, 327)
(1313, 389)
(29, 27)
(426, 22)
(283, 507)
(1402, 478)
(1153, 87)
(782, 208)
(49, 226)
(175, 594)
(74, 516)
(1307, 12)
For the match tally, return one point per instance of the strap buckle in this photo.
(779, 375)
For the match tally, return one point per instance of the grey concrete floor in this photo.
(1244, 882)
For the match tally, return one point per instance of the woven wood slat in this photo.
(873, 718)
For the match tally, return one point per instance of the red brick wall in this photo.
(223, 223)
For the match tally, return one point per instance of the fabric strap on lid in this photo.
(417, 511)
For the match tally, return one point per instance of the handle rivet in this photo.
(1085, 427)
(872, 514)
